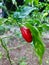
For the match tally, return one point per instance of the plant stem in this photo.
(6, 49)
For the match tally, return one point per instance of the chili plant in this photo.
(33, 21)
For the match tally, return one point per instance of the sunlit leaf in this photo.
(39, 46)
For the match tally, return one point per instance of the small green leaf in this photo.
(36, 2)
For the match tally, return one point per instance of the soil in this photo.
(21, 49)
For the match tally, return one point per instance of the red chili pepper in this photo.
(26, 34)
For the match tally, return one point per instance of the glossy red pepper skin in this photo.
(26, 34)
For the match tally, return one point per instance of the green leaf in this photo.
(45, 26)
(36, 2)
(25, 11)
(28, 1)
(38, 44)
